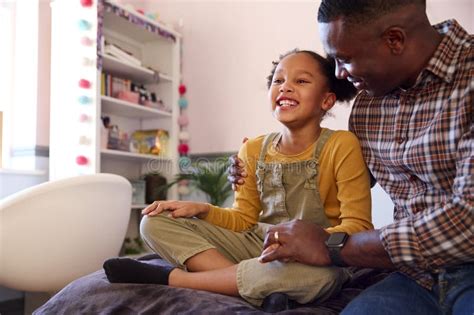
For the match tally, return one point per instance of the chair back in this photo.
(55, 232)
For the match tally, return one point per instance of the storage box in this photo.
(128, 96)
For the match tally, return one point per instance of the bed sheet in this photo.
(93, 294)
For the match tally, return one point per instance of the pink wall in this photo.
(228, 49)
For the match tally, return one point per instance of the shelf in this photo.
(129, 156)
(132, 72)
(118, 107)
(130, 30)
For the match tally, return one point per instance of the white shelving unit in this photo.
(129, 156)
(132, 110)
(132, 72)
(76, 54)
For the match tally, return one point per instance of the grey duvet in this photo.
(93, 294)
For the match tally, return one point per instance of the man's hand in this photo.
(236, 171)
(178, 209)
(299, 241)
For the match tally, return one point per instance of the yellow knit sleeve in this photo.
(246, 208)
(353, 185)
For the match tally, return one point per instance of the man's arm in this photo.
(366, 250)
(236, 170)
(427, 240)
(305, 242)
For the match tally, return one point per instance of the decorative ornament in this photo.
(183, 148)
(182, 89)
(87, 62)
(183, 120)
(81, 160)
(183, 136)
(152, 16)
(85, 84)
(84, 25)
(183, 103)
(86, 41)
(84, 140)
(87, 3)
(184, 163)
(84, 118)
(84, 100)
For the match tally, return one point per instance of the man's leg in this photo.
(396, 294)
(464, 303)
(459, 288)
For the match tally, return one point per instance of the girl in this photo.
(304, 172)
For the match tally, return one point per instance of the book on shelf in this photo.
(111, 85)
(119, 53)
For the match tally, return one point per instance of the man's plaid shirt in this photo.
(419, 145)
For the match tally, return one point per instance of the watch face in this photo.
(336, 239)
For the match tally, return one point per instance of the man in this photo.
(414, 120)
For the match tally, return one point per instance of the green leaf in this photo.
(211, 179)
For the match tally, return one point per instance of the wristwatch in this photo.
(334, 244)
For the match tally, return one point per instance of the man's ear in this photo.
(395, 38)
(329, 101)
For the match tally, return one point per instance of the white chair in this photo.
(55, 232)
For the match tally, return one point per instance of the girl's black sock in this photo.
(126, 270)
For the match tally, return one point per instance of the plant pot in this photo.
(155, 188)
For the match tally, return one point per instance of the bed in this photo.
(93, 294)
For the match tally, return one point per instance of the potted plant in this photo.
(211, 179)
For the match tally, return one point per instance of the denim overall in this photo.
(287, 191)
(290, 190)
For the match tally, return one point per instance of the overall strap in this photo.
(323, 138)
(266, 141)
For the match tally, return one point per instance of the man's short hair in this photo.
(360, 11)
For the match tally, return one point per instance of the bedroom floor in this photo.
(12, 307)
(24, 306)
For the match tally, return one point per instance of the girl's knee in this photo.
(151, 225)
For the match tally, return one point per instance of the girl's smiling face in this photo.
(299, 91)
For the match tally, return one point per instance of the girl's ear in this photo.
(329, 101)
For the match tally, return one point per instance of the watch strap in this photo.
(335, 255)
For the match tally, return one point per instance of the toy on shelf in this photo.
(153, 141)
